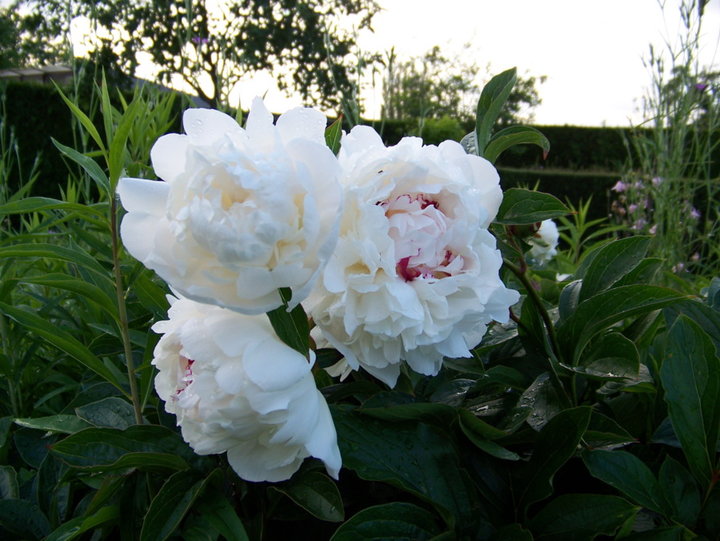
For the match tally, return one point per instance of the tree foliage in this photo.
(433, 86)
(211, 45)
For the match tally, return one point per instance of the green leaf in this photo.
(569, 299)
(439, 414)
(512, 532)
(333, 135)
(611, 263)
(74, 256)
(680, 491)
(146, 447)
(580, 517)
(396, 521)
(542, 399)
(39, 204)
(479, 440)
(172, 502)
(291, 327)
(89, 165)
(556, 443)
(23, 519)
(317, 494)
(111, 412)
(65, 424)
(79, 525)
(607, 308)
(490, 105)
(515, 135)
(61, 340)
(523, 207)
(119, 140)
(628, 474)
(605, 433)
(8, 483)
(216, 509)
(611, 357)
(75, 285)
(84, 120)
(412, 456)
(690, 375)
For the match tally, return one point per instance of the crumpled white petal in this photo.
(236, 388)
(241, 212)
(415, 274)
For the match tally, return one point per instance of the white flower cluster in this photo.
(389, 247)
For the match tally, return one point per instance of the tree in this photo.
(212, 45)
(432, 87)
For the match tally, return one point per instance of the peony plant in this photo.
(590, 413)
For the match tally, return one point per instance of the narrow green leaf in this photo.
(440, 414)
(215, 508)
(117, 149)
(79, 525)
(628, 474)
(396, 521)
(84, 120)
(690, 375)
(317, 494)
(64, 424)
(147, 447)
(607, 308)
(680, 491)
(61, 340)
(51, 251)
(605, 433)
(581, 517)
(555, 445)
(471, 423)
(39, 204)
(333, 135)
(515, 135)
(110, 412)
(611, 263)
(75, 285)
(491, 102)
(291, 327)
(173, 501)
(523, 207)
(89, 165)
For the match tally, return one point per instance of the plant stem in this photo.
(12, 390)
(122, 313)
(555, 355)
(533, 296)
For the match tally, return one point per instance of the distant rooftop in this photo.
(59, 74)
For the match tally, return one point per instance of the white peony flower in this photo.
(414, 276)
(242, 212)
(544, 242)
(236, 388)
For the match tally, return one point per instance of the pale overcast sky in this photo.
(590, 50)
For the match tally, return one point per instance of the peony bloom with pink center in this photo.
(241, 212)
(414, 277)
(237, 389)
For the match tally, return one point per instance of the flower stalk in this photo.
(122, 314)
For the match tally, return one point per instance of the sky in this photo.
(591, 51)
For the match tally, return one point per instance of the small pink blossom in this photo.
(619, 187)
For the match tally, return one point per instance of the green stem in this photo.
(122, 314)
(535, 299)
